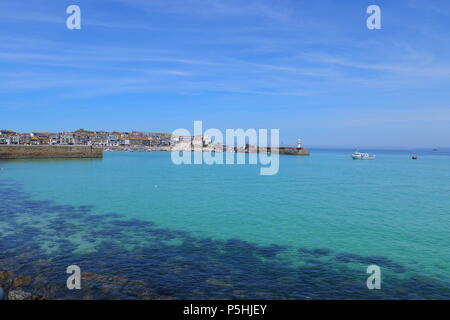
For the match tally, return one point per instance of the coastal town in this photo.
(100, 139)
(131, 141)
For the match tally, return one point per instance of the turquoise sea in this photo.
(142, 227)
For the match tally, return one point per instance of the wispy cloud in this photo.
(252, 55)
(260, 8)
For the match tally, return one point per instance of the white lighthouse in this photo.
(299, 144)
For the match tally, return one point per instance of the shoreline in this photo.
(25, 287)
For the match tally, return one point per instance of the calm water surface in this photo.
(225, 231)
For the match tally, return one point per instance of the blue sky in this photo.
(310, 68)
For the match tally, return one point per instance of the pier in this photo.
(293, 151)
(48, 152)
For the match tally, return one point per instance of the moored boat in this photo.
(362, 156)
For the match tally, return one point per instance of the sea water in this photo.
(225, 231)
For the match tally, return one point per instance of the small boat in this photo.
(414, 157)
(362, 156)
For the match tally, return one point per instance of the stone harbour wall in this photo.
(294, 151)
(281, 150)
(46, 151)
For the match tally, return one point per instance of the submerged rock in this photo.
(19, 295)
(22, 295)
(20, 281)
(219, 283)
(5, 278)
(138, 289)
(4, 275)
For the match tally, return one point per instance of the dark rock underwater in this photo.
(134, 259)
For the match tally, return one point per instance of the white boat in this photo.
(362, 156)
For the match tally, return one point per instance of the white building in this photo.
(67, 139)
